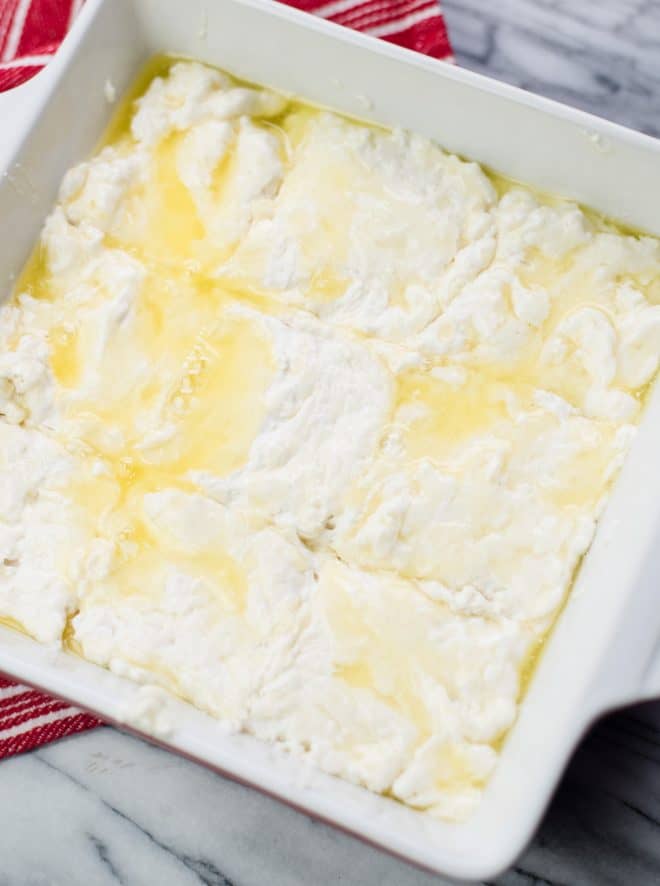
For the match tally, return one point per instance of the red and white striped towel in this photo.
(29, 718)
(30, 32)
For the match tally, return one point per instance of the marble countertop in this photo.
(104, 808)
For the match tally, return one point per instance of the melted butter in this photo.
(160, 224)
(326, 287)
(179, 361)
(143, 562)
(386, 646)
(532, 659)
(448, 413)
(69, 640)
(120, 122)
(173, 224)
(214, 408)
(324, 236)
(64, 357)
(550, 273)
(14, 624)
(34, 279)
(380, 661)
(567, 283)
(218, 402)
(343, 188)
(453, 770)
(183, 361)
(582, 482)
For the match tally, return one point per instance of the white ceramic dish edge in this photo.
(604, 650)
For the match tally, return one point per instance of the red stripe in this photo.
(7, 9)
(23, 702)
(27, 696)
(45, 25)
(49, 706)
(47, 733)
(306, 5)
(15, 76)
(429, 37)
(374, 20)
(361, 20)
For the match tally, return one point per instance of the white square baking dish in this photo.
(604, 650)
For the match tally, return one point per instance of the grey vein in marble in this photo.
(602, 57)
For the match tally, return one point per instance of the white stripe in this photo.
(11, 691)
(382, 14)
(16, 30)
(26, 61)
(360, 9)
(29, 725)
(404, 23)
(336, 7)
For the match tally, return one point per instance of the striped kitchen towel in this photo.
(30, 32)
(29, 718)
